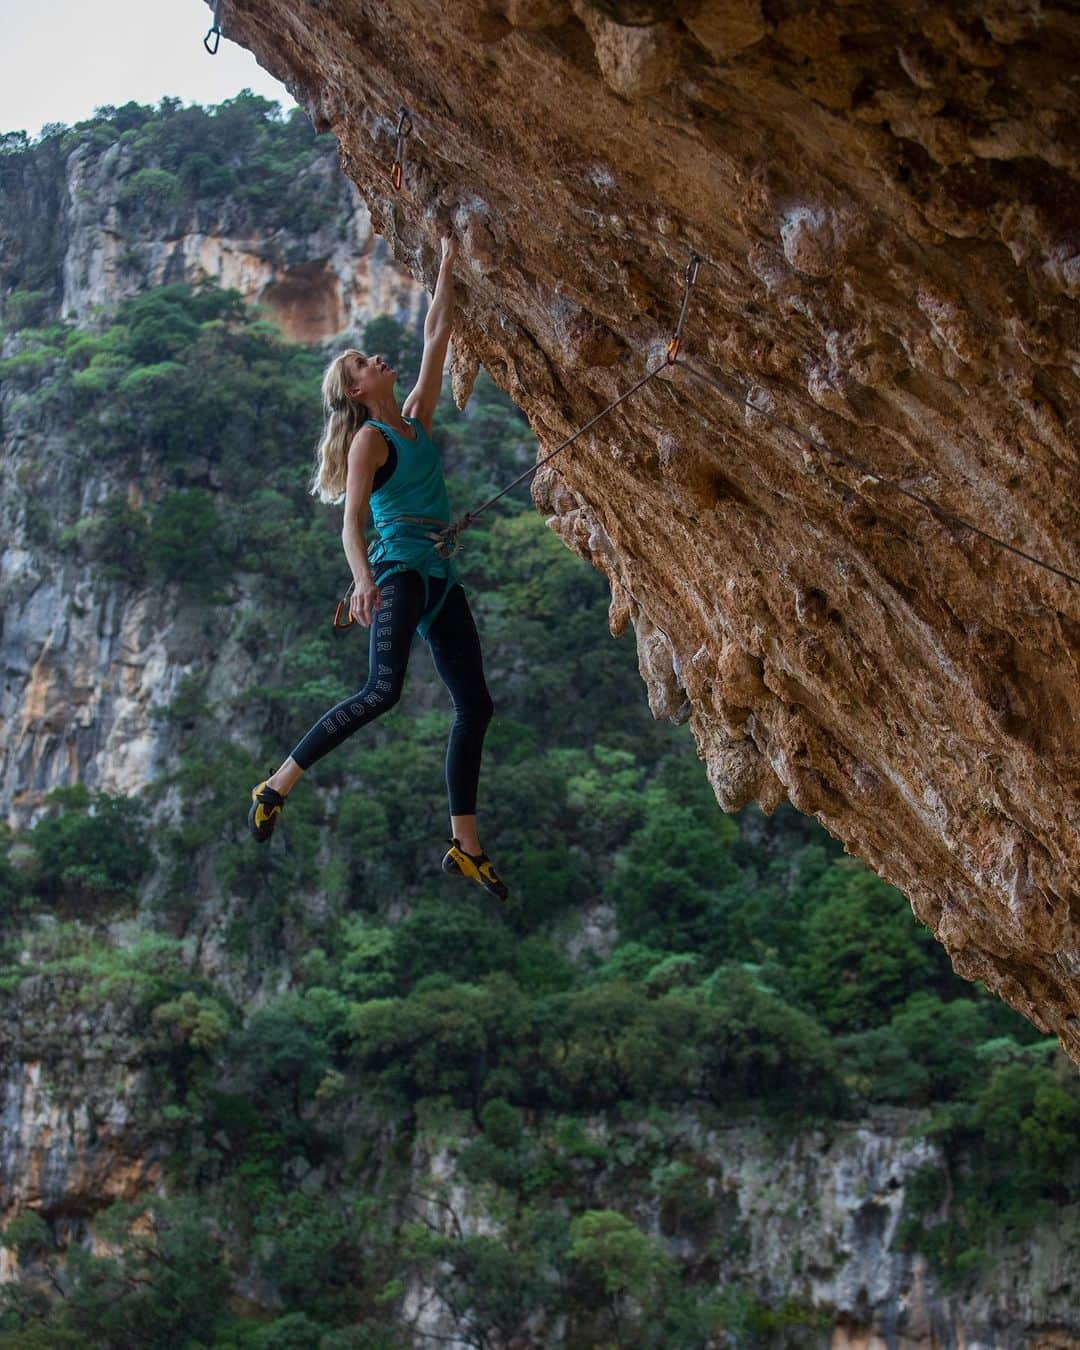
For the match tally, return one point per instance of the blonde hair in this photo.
(344, 418)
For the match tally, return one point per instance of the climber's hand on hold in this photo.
(364, 601)
(449, 245)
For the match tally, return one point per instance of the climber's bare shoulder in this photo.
(368, 451)
(424, 418)
(414, 406)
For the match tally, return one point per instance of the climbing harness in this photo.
(215, 31)
(436, 537)
(404, 126)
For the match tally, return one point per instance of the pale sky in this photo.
(61, 59)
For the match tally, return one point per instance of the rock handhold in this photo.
(634, 62)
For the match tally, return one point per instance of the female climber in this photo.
(385, 459)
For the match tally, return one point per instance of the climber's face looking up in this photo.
(366, 375)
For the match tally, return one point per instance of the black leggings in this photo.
(455, 649)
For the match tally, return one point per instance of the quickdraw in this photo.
(404, 126)
(689, 277)
(214, 31)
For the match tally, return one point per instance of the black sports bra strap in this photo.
(383, 472)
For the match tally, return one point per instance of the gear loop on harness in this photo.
(449, 541)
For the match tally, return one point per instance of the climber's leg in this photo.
(455, 650)
(402, 599)
(284, 777)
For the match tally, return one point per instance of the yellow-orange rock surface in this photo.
(888, 198)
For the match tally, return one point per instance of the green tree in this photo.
(96, 850)
(490, 1286)
(670, 885)
(629, 1269)
(153, 189)
(12, 886)
(862, 951)
(166, 1288)
(188, 543)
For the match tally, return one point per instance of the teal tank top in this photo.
(415, 488)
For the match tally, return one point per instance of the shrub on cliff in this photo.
(1010, 1162)
(12, 885)
(154, 191)
(94, 852)
(22, 308)
(113, 539)
(188, 543)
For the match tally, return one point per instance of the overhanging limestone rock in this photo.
(888, 197)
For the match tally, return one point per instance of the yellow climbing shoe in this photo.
(475, 866)
(266, 804)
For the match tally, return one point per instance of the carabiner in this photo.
(215, 31)
(404, 127)
(342, 603)
(449, 543)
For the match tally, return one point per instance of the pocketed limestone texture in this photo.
(887, 198)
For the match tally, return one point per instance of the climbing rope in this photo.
(451, 535)
(215, 31)
(825, 450)
(820, 448)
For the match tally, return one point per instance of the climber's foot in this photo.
(475, 866)
(266, 804)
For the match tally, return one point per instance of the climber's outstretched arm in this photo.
(424, 398)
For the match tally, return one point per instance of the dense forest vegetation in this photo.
(752, 971)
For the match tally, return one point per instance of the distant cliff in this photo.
(97, 216)
(86, 220)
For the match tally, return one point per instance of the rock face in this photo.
(813, 1219)
(74, 1087)
(72, 233)
(84, 661)
(886, 198)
